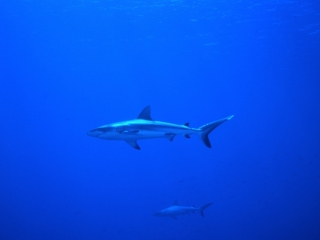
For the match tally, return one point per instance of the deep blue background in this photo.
(69, 66)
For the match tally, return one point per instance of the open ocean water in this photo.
(69, 66)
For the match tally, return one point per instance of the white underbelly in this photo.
(142, 134)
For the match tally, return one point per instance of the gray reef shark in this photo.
(144, 127)
(176, 210)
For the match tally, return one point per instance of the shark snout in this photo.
(90, 133)
(93, 133)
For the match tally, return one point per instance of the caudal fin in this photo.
(203, 208)
(208, 128)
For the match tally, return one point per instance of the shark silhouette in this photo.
(176, 210)
(144, 127)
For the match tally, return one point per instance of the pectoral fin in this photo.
(134, 144)
(170, 136)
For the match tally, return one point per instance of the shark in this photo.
(176, 210)
(144, 127)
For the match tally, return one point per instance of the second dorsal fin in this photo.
(145, 114)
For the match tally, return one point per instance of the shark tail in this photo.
(208, 128)
(203, 208)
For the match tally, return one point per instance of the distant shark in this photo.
(144, 127)
(176, 210)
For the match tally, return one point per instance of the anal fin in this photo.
(133, 144)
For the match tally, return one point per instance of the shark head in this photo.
(115, 131)
(160, 214)
(167, 212)
(106, 132)
(121, 130)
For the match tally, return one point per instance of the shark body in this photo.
(144, 127)
(176, 210)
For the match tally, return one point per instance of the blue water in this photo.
(67, 67)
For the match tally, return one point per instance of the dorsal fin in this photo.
(186, 124)
(175, 203)
(145, 114)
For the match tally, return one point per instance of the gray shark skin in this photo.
(144, 127)
(176, 210)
